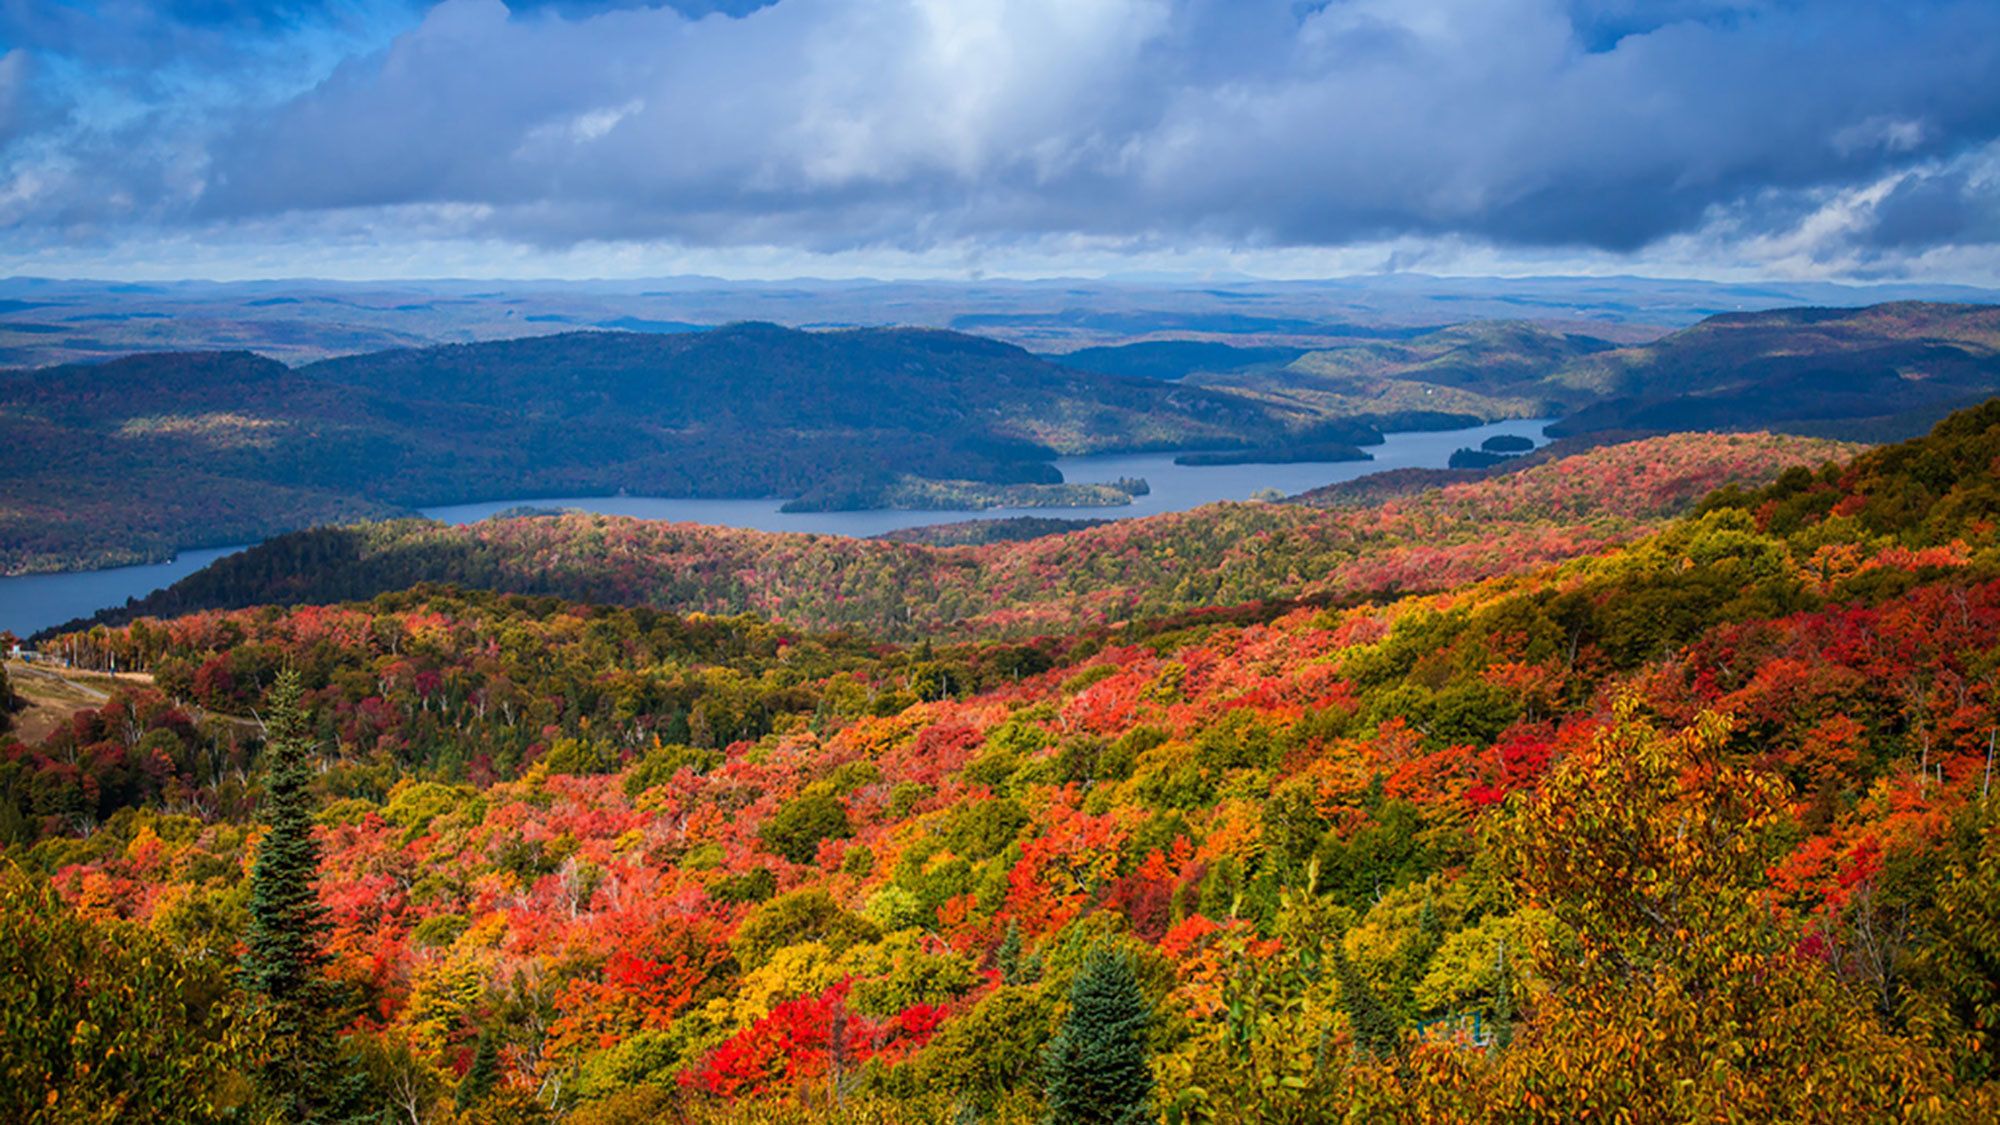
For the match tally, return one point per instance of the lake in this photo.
(37, 601)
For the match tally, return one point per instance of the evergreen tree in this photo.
(1097, 1068)
(1007, 958)
(1417, 955)
(285, 946)
(1376, 1030)
(482, 1074)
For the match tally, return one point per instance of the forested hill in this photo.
(130, 459)
(1693, 826)
(1219, 555)
(1884, 373)
(748, 378)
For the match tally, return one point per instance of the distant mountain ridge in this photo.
(133, 458)
(1485, 370)
(1883, 373)
(129, 460)
(1887, 372)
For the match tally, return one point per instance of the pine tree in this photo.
(1097, 1067)
(285, 945)
(482, 1074)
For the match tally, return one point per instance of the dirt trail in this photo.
(54, 693)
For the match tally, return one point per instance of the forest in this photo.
(127, 460)
(132, 459)
(1649, 784)
(901, 588)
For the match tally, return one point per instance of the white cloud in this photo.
(957, 131)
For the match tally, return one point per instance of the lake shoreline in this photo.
(30, 603)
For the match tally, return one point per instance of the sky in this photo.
(1726, 139)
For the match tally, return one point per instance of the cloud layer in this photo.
(1830, 136)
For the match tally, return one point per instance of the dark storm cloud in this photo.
(1949, 207)
(830, 124)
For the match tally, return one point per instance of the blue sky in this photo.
(395, 138)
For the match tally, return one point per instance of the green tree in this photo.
(1007, 958)
(484, 1071)
(1376, 1031)
(1097, 1068)
(796, 829)
(108, 1021)
(285, 946)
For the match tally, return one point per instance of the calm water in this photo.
(38, 601)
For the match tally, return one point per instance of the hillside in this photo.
(1621, 831)
(1219, 555)
(1489, 370)
(128, 460)
(1175, 359)
(133, 458)
(1882, 373)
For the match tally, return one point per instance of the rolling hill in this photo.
(1488, 370)
(1223, 554)
(136, 457)
(1886, 372)
(1883, 373)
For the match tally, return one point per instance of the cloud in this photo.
(930, 126)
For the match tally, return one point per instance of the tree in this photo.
(484, 1071)
(1007, 959)
(1376, 1031)
(796, 829)
(108, 1021)
(285, 945)
(6, 701)
(1097, 1067)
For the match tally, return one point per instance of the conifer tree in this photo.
(1097, 1068)
(1007, 958)
(482, 1074)
(1376, 1030)
(285, 946)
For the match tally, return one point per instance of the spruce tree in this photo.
(285, 946)
(481, 1075)
(1097, 1068)
(1007, 958)
(1377, 1032)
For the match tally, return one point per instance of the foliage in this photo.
(1218, 556)
(284, 952)
(1096, 1067)
(103, 1021)
(1694, 826)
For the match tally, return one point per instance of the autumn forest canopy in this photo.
(1648, 780)
(999, 562)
